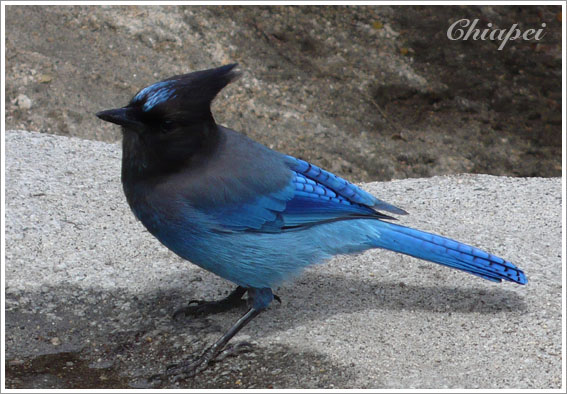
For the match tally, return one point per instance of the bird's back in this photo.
(238, 171)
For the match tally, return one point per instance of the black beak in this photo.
(120, 116)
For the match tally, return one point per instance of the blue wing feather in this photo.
(311, 196)
(314, 202)
(262, 213)
(340, 186)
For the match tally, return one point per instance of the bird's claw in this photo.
(184, 369)
(190, 309)
(233, 350)
(189, 368)
(202, 308)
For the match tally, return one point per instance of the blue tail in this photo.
(448, 252)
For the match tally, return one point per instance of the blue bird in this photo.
(247, 213)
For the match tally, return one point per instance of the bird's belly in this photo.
(255, 259)
(247, 261)
(250, 259)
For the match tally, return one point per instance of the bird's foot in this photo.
(236, 349)
(185, 369)
(203, 308)
(189, 368)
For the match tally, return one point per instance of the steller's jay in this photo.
(247, 213)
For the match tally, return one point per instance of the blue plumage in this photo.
(249, 214)
(341, 186)
(155, 94)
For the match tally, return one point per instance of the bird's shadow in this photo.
(314, 297)
(318, 296)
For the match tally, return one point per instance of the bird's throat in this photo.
(145, 156)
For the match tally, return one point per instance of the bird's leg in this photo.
(260, 299)
(187, 368)
(201, 308)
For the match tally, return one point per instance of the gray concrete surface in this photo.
(89, 293)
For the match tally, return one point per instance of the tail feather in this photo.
(448, 252)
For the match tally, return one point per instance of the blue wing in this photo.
(310, 196)
(344, 189)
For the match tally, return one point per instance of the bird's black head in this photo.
(173, 102)
(171, 120)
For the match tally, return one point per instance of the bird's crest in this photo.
(193, 91)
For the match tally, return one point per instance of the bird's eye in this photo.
(167, 126)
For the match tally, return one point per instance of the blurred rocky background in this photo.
(370, 92)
